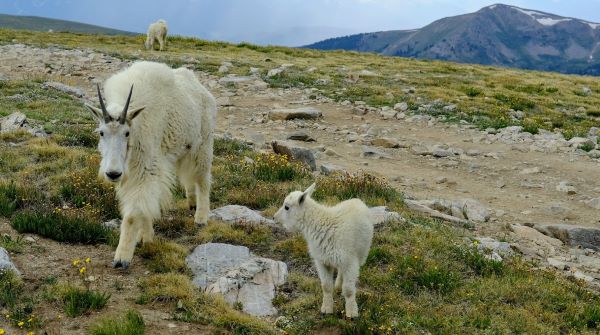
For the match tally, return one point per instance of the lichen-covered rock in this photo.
(238, 275)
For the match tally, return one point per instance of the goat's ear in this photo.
(97, 112)
(132, 114)
(309, 191)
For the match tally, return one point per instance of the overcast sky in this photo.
(283, 22)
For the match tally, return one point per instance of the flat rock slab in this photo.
(75, 91)
(6, 263)
(239, 214)
(573, 235)
(300, 136)
(295, 113)
(14, 121)
(294, 152)
(383, 215)
(238, 275)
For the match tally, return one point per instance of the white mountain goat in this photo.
(338, 238)
(167, 132)
(157, 31)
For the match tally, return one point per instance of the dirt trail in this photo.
(496, 181)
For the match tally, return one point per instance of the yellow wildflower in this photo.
(82, 270)
(87, 260)
(2, 331)
(21, 323)
(76, 262)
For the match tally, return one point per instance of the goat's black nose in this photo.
(113, 175)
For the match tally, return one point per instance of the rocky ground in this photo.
(539, 193)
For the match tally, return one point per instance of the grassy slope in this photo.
(484, 95)
(421, 276)
(37, 23)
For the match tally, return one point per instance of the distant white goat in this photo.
(143, 152)
(338, 238)
(157, 31)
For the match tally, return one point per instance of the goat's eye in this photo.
(101, 133)
(127, 134)
(287, 208)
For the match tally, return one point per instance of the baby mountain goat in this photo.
(338, 237)
(166, 133)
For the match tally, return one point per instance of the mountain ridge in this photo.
(499, 35)
(38, 23)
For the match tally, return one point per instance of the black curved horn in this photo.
(105, 114)
(123, 117)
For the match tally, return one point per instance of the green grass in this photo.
(61, 227)
(10, 244)
(162, 256)
(131, 323)
(79, 301)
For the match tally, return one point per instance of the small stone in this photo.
(401, 107)
(328, 169)
(300, 136)
(420, 150)
(297, 113)
(532, 170)
(441, 153)
(441, 180)
(566, 187)
(113, 224)
(593, 203)
(473, 152)
(370, 152)
(385, 142)
(331, 153)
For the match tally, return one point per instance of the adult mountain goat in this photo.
(338, 238)
(167, 132)
(157, 31)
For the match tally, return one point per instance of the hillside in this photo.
(491, 173)
(36, 23)
(499, 35)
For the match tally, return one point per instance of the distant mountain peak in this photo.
(499, 34)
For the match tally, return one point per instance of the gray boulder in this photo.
(238, 275)
(295, 152)
(493, 249)
(14, 121)
(573, 235)
(238, 214)
(6, 263)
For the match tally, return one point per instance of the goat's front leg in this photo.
(130, 230)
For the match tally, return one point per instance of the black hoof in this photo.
(120, 265)
(201, 224)
(192, 207)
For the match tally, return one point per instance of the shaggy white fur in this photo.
(172, 137)
(157, 31)
(338, 238)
